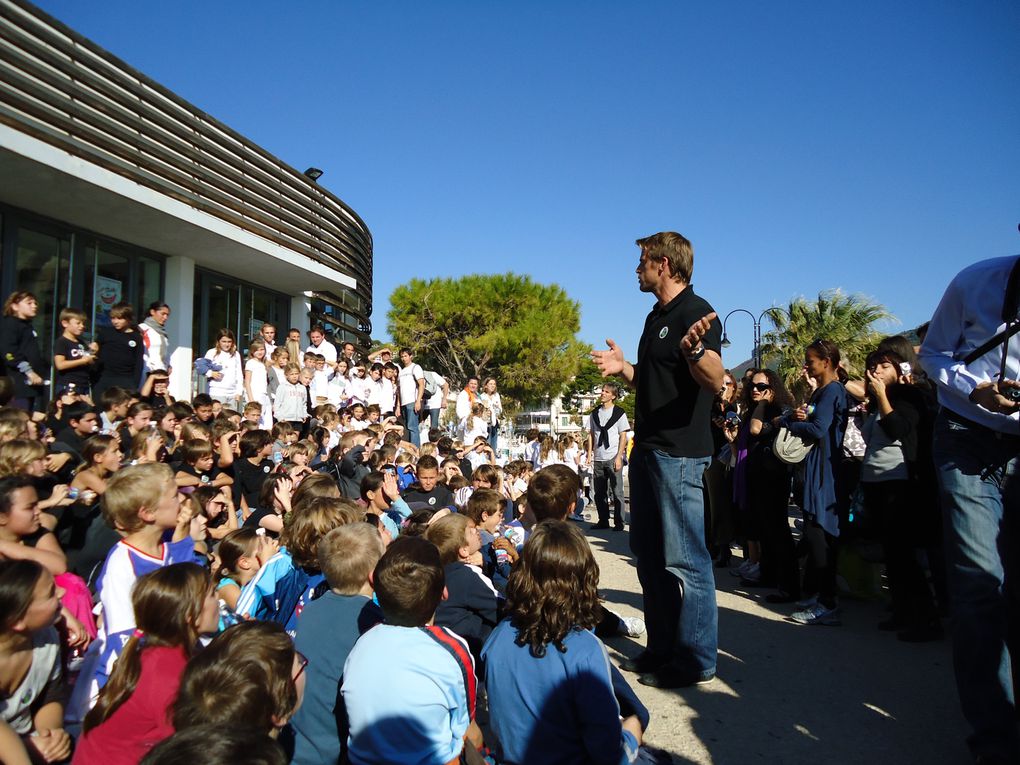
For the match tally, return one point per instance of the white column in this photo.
(179, 294)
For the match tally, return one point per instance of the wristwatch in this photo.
(697, 353)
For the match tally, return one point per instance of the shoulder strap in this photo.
(1010, 310)
(463, 658)
(1011, 303)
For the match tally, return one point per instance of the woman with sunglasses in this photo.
(768, 486)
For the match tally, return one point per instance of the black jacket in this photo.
(19, 346)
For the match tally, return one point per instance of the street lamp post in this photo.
(756, 355)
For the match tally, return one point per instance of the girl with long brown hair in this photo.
(173, 606)
(547, 675)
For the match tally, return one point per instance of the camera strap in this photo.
(1010, 310)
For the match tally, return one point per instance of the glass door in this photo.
(42, 266)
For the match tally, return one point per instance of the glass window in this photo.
(42, 266)
(107, 279)
(150, 284)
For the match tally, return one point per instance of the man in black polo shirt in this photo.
(677, 373)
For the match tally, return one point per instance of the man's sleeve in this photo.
(945, 334)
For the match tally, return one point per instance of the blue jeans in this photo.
(667, 536)
(411, 423)
(493, 436)
(981, 507)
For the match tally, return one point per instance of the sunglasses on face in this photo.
(761, 387)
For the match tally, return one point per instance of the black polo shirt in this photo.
(672, 412)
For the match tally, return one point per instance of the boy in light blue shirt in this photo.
(408, 686)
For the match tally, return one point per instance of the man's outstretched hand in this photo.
(609, 362)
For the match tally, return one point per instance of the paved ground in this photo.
(787, 693)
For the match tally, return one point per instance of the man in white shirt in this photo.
(321, 345)
(972, 353)
(410, 390)
(607, 443)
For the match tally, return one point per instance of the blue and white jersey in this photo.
(123, 565)
(258, 596)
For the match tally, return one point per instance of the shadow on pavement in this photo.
(795, 694)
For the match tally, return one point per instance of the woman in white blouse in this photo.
(226, 385)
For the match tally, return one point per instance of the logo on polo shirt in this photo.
(265, 468)
(432, 500)
(663, 332)
(132, 343)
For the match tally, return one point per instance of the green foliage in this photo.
(846, 320)
(587, 379)
(503, 325)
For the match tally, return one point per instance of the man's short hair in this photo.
(674, 248)
(131, 489)
(348, 554)
(551, 492)
(409, 582)
(613, 388)
(202, 399)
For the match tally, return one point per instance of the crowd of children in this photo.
(176, 577)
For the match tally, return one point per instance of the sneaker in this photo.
(818, 614)
(807, 603)
(673, 677)
(578, 517)
(742, 569)
(752, 575)
(632, 626)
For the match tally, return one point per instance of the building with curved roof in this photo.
(114, 188)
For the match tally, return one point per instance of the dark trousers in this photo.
(892, 503)
(608, 488)
(779, 564)
(820, 576)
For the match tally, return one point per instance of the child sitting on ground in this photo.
(142, 504)
(238, 558)
(552, 495)
(173, 606)
(427, 488)
(198, 468)
(430, 665)
(379, 492)
(327, 630)
(486, 508)
(472, 603)
(550, 686)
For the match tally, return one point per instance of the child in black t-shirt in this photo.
(71, 358)
(197, 467)
(253, 468)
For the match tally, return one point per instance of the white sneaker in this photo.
(632, 626)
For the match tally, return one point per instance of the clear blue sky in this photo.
(801, 146)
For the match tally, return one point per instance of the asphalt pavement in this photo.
(788, 693)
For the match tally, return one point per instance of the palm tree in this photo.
(846, 320)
